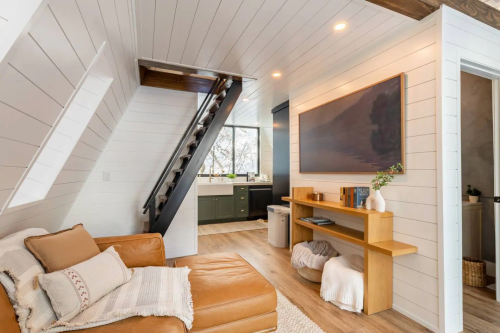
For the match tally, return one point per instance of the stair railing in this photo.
(151, 201)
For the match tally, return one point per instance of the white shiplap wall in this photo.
(134, 157)
(37, 78)
(462, 39)
(413, 196)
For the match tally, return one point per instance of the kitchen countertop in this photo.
(236, 183)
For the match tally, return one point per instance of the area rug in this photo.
(224, 228)
(292, 320)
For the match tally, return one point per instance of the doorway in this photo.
(480, 176)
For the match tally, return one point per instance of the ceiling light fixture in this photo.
(245, 99)
(340, 26)
(276, 74)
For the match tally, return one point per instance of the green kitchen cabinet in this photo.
(215, 207)
(224, 207)
(206, 208)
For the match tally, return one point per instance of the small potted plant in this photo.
(473, 193)
(383, 178)
(231, 176)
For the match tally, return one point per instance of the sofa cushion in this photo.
(7, 314)
(226, 289)
(141, 324)
(76, 288)
(62, 249)
(140, 250)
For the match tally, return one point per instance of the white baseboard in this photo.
(491, 269)
(415, 318)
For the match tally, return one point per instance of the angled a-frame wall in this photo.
(38, 76)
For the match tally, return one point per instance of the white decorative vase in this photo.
(369, 201)
(378, 202)
(473, 198)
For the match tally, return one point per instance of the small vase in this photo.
(473, 198)
(378, 202)
(369, 201)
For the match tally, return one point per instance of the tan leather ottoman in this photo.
(229, 295)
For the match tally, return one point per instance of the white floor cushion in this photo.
(342, 282)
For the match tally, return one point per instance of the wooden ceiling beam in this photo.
(172, 81)
(418, 9)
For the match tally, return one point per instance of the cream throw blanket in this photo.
(152, 291)
(342, 282)
(312, 254)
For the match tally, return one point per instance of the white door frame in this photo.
(494, 75)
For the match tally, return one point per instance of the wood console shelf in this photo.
(376, 240)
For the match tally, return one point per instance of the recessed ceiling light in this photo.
(276, 74)
(256, 123)
(245, 99)
(340, 26)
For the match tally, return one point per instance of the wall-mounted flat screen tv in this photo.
(362, 132)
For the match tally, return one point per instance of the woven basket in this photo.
(310, 274)
(474, 272)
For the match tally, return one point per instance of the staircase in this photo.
(187, 159)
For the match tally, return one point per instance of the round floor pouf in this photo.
(310, 274)
(474, 272)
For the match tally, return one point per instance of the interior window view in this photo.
(250, 166)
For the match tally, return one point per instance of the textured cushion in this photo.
(74, 289)
(62, 249)
(33, 307)
(227, 289)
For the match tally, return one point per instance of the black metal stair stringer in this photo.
(185, 181)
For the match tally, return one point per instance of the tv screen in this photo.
(362, 132)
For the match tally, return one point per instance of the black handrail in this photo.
(181, 145)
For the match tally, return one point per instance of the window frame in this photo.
(233, 127)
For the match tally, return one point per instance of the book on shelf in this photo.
(354, 197)
(318, 220)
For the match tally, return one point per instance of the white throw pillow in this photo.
(74, 289)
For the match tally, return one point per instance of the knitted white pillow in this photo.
(74, 289)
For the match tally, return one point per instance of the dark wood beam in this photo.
(164, 80)
(418, 9)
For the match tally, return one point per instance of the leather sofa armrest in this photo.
(139, 250)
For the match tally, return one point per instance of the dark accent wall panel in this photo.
(281, 153)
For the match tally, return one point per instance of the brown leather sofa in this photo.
(229, 295)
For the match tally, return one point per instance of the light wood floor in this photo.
(274, 264)
(481, 311)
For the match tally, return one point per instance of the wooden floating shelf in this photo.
(336, 207)
(335, 230)
(379, 247)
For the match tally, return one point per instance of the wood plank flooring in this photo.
(481, 311)
(274, 264)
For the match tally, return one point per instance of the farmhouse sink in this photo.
(206, 189)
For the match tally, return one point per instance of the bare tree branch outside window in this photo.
(246, 152)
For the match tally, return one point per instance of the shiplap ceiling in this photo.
(492, 3)
(257, 38)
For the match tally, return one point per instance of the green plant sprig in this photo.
(474, 192)
(231, 176)
(384, 178)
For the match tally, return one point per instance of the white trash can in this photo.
(278, 226)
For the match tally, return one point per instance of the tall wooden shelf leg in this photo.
(299, 232)
(377, 282)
